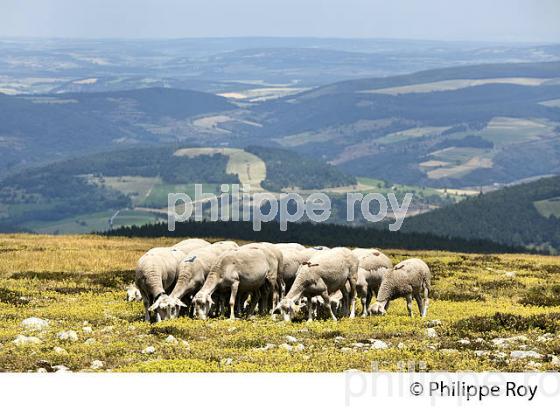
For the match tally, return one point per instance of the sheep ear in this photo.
(154, 306)
(178, 302)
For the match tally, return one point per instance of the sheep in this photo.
(411, 278)
(194, 268)
(133, 294)
(373, 264)
(324, 274)
(292, 259)
(189, 245)
(241, 270)
(291, 245)
(275, 279)
(156, 273)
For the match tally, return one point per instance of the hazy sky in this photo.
(492, 20)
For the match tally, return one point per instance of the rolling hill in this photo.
(499, 124)
(83, 193)
(35, 129)
(521, 215)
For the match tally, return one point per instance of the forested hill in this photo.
(521, 215)
(316, 234)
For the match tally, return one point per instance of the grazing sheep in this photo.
(156, 273)
(323, 275)
(373, 265)
(292, 260)
(133, 294)
(291, 245)
(225, 245)
(193, 270)
(410, 279)
(241, 270)
(271, 294)
(189, 245)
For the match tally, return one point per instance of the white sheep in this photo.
(244, 270)
(270, 295)
(189, 245)
(373, 265)
(156, 273)
(323, 275)
(410, 279)
(293, 257)
(193, 270)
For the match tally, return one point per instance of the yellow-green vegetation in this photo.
(77, 283)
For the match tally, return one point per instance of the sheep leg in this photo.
(327, 300)
(233, 296)
(369, 296)
(310, 311)
(426, 303)
(409, 304)
(420, 303)
(352, 281)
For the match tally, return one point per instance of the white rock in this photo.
(69, 335)
(434, 323)
(431, 332)
(401, 345)
(97, 364)
(346, 350)
(338, 339)
(87, 329)
(41, 370)
(299, 347)
(171, 339)
(499, 355)
(534, 365)
(268, 346)
(449, 351)
(149, 350)
(227, 361)
(510, 274)
(525, 354)
(21, 340)
(291, 339)
(545, 338)
(185, 344)
(286, 346)
(90, 341)
(358, 345)
(508, 341)
(379, 344)
(60, 368)
(464, 342)
(60, 350)
(35, 324)
(481, 353)
(555, 361)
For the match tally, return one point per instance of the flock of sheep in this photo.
(202, 279)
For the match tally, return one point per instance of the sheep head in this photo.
(133, 294)
(202, 304)
(166, 307)
(287, 308)
(378, 308)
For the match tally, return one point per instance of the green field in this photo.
(478, 314)
(548, 207)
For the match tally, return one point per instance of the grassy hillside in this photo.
(77, 283)
(42, 128)
(517, 215)
(69, 196)
(457, 127)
